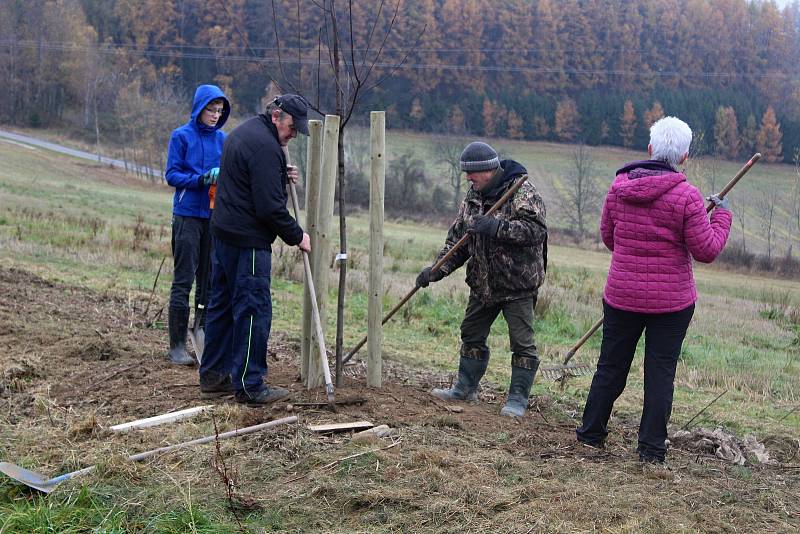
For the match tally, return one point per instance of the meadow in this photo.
(79, 225)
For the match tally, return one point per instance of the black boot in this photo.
(470, 372)
(178, 322)
(518, 392)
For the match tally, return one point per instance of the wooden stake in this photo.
(376, 194)
(314, 166)
(322, 237)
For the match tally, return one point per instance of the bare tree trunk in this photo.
(342, 210)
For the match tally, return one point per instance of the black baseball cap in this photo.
(297, 107)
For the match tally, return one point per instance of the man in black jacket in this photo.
(250, 212)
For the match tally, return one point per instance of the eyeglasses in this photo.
(215, 111)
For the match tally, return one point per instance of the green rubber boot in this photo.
(470, 372)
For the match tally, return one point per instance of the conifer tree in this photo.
(769, 137)
(514, 126)
(653, 114)
(726, 133)
(749, 135)
(489, 114)
(567, 124)
(628, 124)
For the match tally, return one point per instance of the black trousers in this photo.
(664, 335)
(191, 252)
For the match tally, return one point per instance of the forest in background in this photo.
(590, 71)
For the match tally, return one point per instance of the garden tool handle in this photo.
(589, 333)
(461, 242)
(725, 190)
(323, 354)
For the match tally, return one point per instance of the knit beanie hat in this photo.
(478, 157)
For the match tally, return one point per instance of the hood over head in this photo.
(508, 171)
(202, 96)
(640, 182)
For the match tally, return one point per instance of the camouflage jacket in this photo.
(511, 265)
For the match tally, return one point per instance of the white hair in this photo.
(670, 138)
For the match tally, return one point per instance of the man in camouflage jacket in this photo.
(506, 260)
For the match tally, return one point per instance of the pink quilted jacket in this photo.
(654, 222)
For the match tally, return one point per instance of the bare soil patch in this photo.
(69, 350)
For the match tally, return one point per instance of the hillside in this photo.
(83, 340)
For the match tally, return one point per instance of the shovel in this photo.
(46, 485)
(323, 355)
(197, 335)
(566, 370)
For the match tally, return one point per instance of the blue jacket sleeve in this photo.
(178, 174)
(269, 197)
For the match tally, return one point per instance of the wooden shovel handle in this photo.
(725, 190)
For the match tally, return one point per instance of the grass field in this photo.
(83, 226)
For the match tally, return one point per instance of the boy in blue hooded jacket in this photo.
(192, 168)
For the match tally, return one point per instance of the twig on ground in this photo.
(228, 478)
(152, 291)
(684, 427)
(335, 462)
(790, 412)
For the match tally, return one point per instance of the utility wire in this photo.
(113, 50)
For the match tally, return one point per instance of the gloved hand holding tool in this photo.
(433, 274)
(561, 372)
(484, 225)
(210, 176)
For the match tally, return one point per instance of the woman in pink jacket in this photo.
(654, 222)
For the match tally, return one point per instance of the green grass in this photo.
(84, 225)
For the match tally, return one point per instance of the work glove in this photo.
(484, 225)
(719, 202)
(210, 176)
(426, 277)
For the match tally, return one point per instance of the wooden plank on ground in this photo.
(341, 427)
(161, 419)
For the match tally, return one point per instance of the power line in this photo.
(176, 54)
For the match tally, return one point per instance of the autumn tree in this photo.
(489, 114)
(749, 137)
(768, 141)
(514, 125)
(726, 133)
(653, 114)
(541, 127)
(416, 112)
(567, 125)
(627, 124)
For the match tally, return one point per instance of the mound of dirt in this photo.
(96, 350)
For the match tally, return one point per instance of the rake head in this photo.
(560, 372)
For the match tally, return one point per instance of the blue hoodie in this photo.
(195, 148)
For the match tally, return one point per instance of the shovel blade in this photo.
(197, 336)
(29, 478)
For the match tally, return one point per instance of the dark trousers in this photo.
(477, 323)
(191, 251)
(664, 334)
(239, 318)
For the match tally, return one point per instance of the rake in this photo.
(566, 370)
